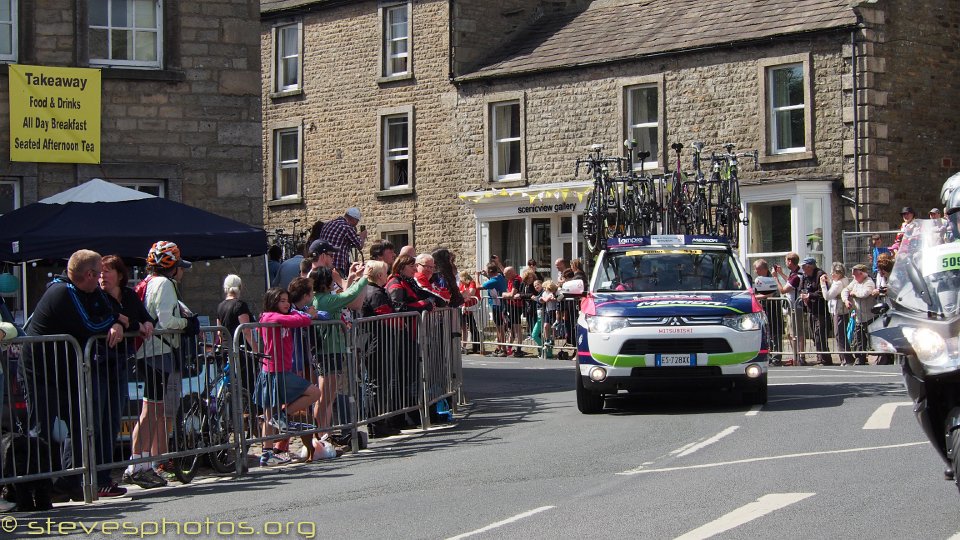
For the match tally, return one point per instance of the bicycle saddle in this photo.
(642, 156)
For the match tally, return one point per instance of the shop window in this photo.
(125, 33)
(508, 241)
(8, 30)
(288, 60)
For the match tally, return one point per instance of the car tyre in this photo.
(588, 402)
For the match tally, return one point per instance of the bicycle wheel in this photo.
(187, 436)
(735, 211)
(222, 432)
(592, 222)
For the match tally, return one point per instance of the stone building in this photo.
(180, 113)
(458, 123)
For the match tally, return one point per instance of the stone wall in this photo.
(910, 71)
(195, 124)
(339, 109)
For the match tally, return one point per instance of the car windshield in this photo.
(926, 271)
(668, 269)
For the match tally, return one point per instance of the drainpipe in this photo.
(856, 133)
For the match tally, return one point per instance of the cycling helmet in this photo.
(949, 188)
(166, 255)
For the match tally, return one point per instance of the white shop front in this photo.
(539, 222)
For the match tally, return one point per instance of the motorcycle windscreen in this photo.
(926, 272)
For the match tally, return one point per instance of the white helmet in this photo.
(948, 188)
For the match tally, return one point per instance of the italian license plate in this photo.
(675, 360)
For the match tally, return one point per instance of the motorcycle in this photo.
(920, 320)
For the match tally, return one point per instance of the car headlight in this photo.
(604, 325)
(931, 349)
(745, 322)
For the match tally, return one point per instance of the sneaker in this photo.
(144, 478)
(279, 421)
(517, 353)
(7, 506)
(164, 472)
(270, 459)
(111, 490)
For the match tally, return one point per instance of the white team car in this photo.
(669, 312)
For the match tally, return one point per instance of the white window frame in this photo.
(654, 161)
(144, 185)
(13, 23)
(390, 39)
(17, 195)
(495, 142)
(800, 194)
(774, 110)
(387, 165)
(280, 166)
(772, 153)
(280, 35)
(155, 64)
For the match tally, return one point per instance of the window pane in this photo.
(788, 86)
(6, 40)
(288, 146)
(146, 13)
(118, 13)
(643, 105)
(289, 40)
(146, 46)
(98, 44)
(509, 158)
(770, 227)
(790, 129)
(288, 182)
(5, 10)
(646, 141)
(813, 212)
(98, 12)
(120, 46)
(290, 75)
(397, 18)
(398, 65)
(397, 131)
(8, 201)
(507, 120)
(508, 241)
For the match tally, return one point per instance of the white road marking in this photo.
(955, 537)
(689, 449)
(761, 507)
(641, 470)
(883, 416)
(754, 410)
(507, 521)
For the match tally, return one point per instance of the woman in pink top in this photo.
(277, 385)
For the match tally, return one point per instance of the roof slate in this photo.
(611, 30)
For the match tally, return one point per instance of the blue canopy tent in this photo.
(108, 218)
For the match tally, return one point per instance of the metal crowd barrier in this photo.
(48, 441)
(89, 405)
(489, 326)
(806, 336)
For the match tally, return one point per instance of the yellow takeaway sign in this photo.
(54, 114)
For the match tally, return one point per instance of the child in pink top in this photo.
(277, 385)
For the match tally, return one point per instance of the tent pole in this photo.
(266, 269)
(23, 288)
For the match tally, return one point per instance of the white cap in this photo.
(354, 213)
(9, 331)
